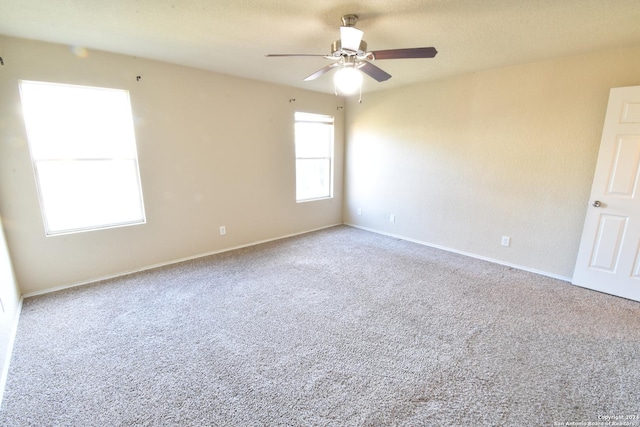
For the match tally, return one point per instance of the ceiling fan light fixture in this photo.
(347, 80)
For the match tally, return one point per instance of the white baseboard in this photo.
(7, 360)
(471, 255)
(176, 261)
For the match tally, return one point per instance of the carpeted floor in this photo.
(340, 327)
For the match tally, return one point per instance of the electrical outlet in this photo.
(223, 230)
(392, 218)
(506, 241)
(359, 211)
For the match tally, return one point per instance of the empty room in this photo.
(285, 213)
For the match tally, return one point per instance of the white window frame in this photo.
(82, 171)
(302, 118)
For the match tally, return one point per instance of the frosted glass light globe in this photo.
(348, 80)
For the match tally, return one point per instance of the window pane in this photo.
(314, 156)
(313, 139)
(86, 194)
(83, 150)
(313, 178)
(65, 121)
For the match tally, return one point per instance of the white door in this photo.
(609, 255)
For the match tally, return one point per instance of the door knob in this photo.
(597, 204)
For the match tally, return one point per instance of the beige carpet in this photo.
(340, 327)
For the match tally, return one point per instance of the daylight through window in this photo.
(84, 156)
(314, 156)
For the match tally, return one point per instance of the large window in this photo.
(314, 156)
(84, 156)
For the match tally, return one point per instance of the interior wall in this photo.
(9, 307)
(213, 150)
(507, 152)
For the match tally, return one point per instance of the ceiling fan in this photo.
(350, 55)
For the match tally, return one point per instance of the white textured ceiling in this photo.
(232, 36)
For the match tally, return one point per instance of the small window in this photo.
(83, 151)
(314, 156)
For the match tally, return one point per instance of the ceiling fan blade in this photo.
(350, 38)
(416, 52)
(321, 72)
(292, 54)
(377, 73)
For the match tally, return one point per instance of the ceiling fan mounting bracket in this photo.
(350, 20)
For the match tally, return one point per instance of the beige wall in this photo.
(459, 162)
(9, 307)
(213, 150)
(507, 152)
